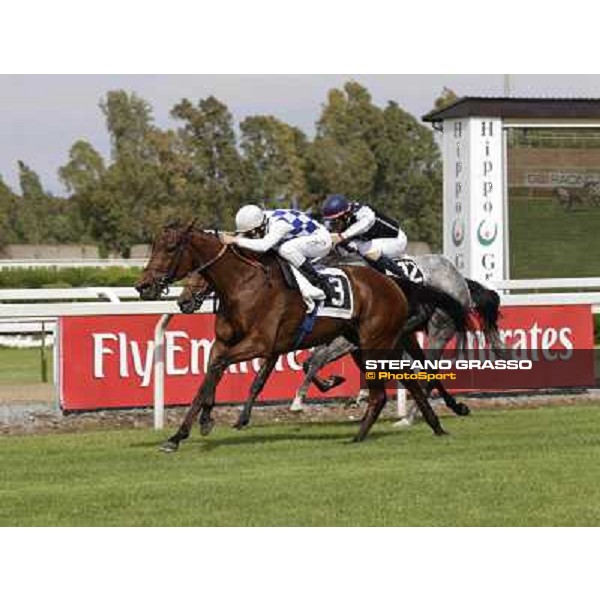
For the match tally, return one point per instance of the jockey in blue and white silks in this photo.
(293, 234)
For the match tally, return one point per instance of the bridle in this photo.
(166, 280)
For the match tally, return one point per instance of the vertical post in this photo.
(505, 199)
(57, 366)
(43, 358)
(401, 396)
(159, 371)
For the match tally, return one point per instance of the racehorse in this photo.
(260, 316)
(439, 271)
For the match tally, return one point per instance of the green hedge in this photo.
(69, 277)
(597, 329)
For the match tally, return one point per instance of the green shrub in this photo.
(597, 329)
(69, 277)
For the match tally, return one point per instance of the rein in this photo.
(249, 261)
(170, 276)
(212, 261)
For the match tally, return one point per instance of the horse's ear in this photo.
(191, 224)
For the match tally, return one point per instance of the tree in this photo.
(119, 210)
(128, 120)
(85, 168)
(409, 175)
(348, 131)
(446, 98)
(274, 165)
(9, 233)
(34, 207)
(216, 168)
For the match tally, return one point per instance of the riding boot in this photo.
(384, 264)
(315, 278)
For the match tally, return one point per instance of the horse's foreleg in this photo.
(213, 376)
(415, 351)
(257, 386)
(207, 403)
(458, 408)
(428, 413)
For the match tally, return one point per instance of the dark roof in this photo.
(518, 108)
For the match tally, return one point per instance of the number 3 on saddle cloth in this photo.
(339, 306)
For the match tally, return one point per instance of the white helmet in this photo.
(249, 217)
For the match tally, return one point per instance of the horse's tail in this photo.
(486, 303)
(427, 299)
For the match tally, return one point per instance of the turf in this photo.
(515, 467)
(23, 365)
(548, 241)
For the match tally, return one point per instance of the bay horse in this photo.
(259, 316)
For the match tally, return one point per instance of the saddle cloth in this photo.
(411, 269)
(339, 306)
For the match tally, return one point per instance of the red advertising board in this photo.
(106, 361)
(558, 340)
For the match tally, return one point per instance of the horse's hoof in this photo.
(240, 425)
(169, 447)
(403, 424)
(357, 439)
(462, 410)
(206, 427)
(296, 406)
(333, 382)
(441, 432)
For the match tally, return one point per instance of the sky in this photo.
(41, 116)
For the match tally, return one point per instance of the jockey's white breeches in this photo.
(388, 247)
(315, 245)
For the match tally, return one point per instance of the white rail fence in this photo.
(65, 263)
(21, 309)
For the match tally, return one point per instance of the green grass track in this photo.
(514, 467)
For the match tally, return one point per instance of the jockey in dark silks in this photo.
(358, 227)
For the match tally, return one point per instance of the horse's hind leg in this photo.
(377, 400)
(439, 336)
(318, 359)
(257, 386)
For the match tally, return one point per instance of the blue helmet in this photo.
(335, 206)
